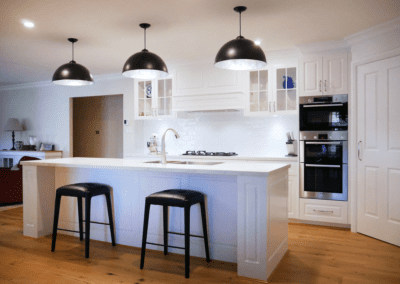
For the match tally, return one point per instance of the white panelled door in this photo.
(378, 165)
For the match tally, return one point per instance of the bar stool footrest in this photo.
(69, 230)
(96, 222)
(161, 245)
(196, 236)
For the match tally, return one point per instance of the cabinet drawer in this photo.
(323, 210)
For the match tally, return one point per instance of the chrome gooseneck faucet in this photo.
(163, 158)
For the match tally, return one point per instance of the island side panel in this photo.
(38, 200)
(277, 215)
(252, 226)
(262, 223)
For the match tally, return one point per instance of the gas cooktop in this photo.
(205, 153)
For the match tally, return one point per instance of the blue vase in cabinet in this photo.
(289, 82)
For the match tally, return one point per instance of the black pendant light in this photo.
(240, 53)
(72, 73)
(145, 64)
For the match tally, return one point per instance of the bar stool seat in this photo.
(176, 198)
(87, 191)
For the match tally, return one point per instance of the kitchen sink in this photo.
(186, 163)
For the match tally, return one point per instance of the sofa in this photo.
(11, 183)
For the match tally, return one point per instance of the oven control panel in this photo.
(323, 135)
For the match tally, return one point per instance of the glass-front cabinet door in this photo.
(164, 98)
(285, 101)
(144, 102)
(259, 99)
(153, 99)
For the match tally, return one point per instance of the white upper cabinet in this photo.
(207, 79)
(259, 99)
(286, 90)
(324, 75)
(153, 99)
(272, 91)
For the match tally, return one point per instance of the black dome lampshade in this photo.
(240, 53)
(145, 64)
(72, 73)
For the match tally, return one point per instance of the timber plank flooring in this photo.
(316, 255)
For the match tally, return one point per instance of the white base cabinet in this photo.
(323, 210)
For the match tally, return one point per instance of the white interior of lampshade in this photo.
(145, 74)
(73, 82)
(240, 64)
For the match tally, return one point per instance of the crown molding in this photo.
(326, 46)
(43, 84)
(373, 31)
(26, 86)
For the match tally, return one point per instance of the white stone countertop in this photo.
(233, 158)
(225, 168)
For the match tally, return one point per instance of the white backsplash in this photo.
(222, 132)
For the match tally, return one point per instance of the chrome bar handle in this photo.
(325, 85)
(359, 150)
(322, 166)
(269, 106)
(320, 85)
(325, 143)
(274, 107)
(323, 211)
(326, 105)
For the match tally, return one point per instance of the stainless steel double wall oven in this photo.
(323, 147)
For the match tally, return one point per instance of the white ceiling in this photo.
(182, 30)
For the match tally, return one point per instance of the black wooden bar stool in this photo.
(176, 198)
(86, 190)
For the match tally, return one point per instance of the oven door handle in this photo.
(330, 143)
(327, 105)
(322, 166)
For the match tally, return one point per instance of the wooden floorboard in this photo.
(316, 254)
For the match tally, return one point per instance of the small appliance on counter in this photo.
(291, 145)
(153, 145)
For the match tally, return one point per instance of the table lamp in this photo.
(13, 125)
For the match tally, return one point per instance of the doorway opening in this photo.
(97, 126)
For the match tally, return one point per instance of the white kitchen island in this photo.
(246, 204)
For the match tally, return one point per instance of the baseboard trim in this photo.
(328, 224)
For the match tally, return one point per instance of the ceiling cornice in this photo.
(373, 31)
(43, 84)
(326, 46)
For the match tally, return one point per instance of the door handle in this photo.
(322, 211)
(320, 85)
(269, 106)
(359, 150)
(325, 85)
(274, 106)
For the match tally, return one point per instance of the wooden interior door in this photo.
(378, 134)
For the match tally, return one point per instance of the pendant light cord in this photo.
(240, 24)
(72, 51)
(144, 38)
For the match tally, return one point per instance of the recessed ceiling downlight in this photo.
(28, 24)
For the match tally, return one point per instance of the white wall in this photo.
(224, 132)
(44, 110)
